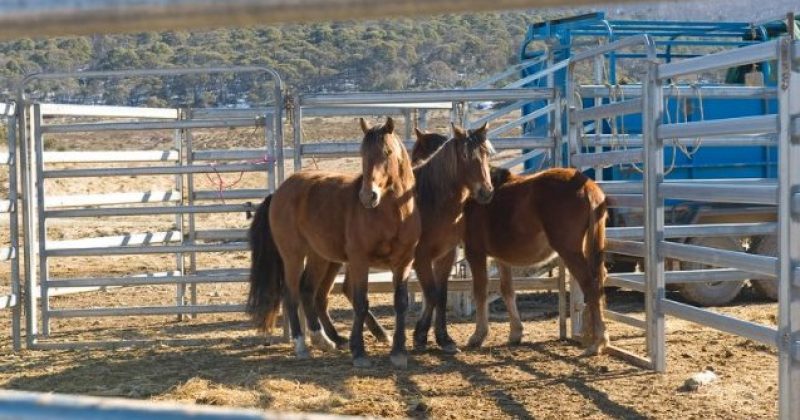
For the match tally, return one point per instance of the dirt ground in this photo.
(227, 363)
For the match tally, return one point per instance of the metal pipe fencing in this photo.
(10, 297)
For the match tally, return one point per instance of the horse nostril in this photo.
(374, 196)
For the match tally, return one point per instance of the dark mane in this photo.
(499, 176)
(436, 173)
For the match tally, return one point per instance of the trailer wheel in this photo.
(767, 287)
(711, 293)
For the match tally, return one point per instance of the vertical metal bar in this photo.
(277, 132)
(38, 144)
(407, 136)
(297, 129)
(653, 219)
(599, 60)
(558, 144)
(16, 310)
(576, 305)
(422, 119)
(562, 301)
(789, 244)
(180, 263)
(271, 156)
(26, 171)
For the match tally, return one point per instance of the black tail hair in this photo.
(266, 271)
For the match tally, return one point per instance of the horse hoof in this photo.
(420, 346)
(475, 341)
(361, 363)
(320, 341)
(399, 361)
(450, 348)
(515, 340)
(342, 344)
(303, 355)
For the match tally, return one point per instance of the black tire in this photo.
(712, 293)
(767, 287)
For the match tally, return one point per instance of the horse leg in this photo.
(359, 273)
(374, 327)
(293, 269)
(480, 280)
(597, 338)
(399, 355)
(442, 268)
(427, 281)
(321, 303)
(316, 267)
(510, 299)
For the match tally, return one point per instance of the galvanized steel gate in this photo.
(10, 296)
(183, 201)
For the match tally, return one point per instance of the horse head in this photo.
(384, 163)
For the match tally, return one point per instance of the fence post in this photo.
(788, 231)
(653, 218)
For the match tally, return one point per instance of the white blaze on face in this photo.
(490, 147)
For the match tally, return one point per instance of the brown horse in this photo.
(367, 220)
(453, 171)
(530, 220)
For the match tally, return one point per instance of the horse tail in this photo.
(596, 233)
(266, 271)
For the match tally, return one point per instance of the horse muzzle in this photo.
(370, 198)
(484, 195)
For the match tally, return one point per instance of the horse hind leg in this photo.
(293, 268)
(510, 299)
(321, 303)
(309, 281)
(480, 281)
(442, 268)
(596, 339)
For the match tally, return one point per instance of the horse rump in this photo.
(266, 271)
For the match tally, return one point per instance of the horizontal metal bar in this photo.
(720, 193)
(519, 121)
(107, 111)
(143, 250)
(582, 160)
(115, 241)
(705, 230)
(144, 310)
(149, 125)
(721, 322)
(618, 281)
(635, 140)
(60, 201)
(762, 124)
(156, 170)
(627, 42)
(148, 211)
(220, 113)
(625, 319)
(372, 109)
(108, 156)
(615, 109)
(232, 276)
(8, 301)
(454, 95)
(682, 91)
(687, 276)
(618, 246)
(221, 235)
(513, 143)
(241, 194)
(721, 60)
(635, 187)
(522, 158)
(551, 69)
(759, 264)
(513, 70)
(625, 200)
(229, 154)
(514, 106)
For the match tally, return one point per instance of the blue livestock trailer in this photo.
(551, 41)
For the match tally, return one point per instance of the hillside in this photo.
(437, 52)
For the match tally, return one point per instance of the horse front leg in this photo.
(373, 326)
(427, 282)
(442, 268)
(293, 271)
(480, 281)
(359, 273)
(510, 299)
(399, 354)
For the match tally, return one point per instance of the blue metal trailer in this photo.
(555, 40)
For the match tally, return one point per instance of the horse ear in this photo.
(364, 126)
(388, 128)
(482, 129)
(458, 131)
(419, 133)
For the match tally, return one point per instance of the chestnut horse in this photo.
(367, 220)
(455, 170)
(530, 220)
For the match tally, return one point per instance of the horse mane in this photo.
(436, 174)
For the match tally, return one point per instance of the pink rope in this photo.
(221, 185)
